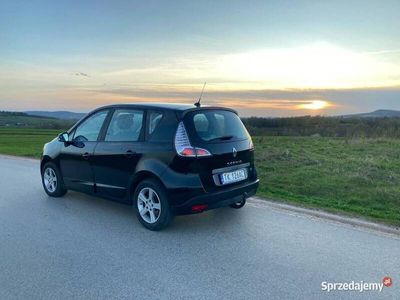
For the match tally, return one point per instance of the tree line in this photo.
(325, 126)
(292, 126)
(23, 120)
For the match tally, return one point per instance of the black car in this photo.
(163, 159)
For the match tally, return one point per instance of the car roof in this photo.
(173, 106)
(179, 107)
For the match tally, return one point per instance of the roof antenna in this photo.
(197, 104)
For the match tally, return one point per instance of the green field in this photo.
(25, 141)
(354, 176)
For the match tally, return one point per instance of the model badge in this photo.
(230, 163)
(234, 152)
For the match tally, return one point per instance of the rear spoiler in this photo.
(182, 114)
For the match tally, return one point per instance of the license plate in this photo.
(234, 176)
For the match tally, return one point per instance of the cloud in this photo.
(264, 102)
(214, 92)
(279, 104)
(315, 66)
(319, 65)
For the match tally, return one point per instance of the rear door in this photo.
(118, 152)
(223, 134)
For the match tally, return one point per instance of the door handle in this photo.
(130, 153)
(85, 155)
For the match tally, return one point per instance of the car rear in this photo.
(214, 143)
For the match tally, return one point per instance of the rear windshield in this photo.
(218, 125)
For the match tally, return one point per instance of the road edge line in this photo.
(326, 215)
(16, 157)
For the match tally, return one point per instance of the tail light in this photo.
(183, 146)
(251, 145)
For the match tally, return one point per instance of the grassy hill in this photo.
(22, 120)
(64, 115)
(380, 113)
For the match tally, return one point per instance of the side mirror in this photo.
(63, 137)
(79, 141)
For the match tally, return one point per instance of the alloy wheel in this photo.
(50, 180)
(149, 205)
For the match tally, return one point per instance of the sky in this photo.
(263, 58)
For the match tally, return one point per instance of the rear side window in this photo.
(161, 126)
(154, 120)
(125, 126)
(216, 125)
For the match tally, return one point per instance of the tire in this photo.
(151, 205)
(238, 205)
(52, 180)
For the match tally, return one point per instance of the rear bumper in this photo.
(219, 199)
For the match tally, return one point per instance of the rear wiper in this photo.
(222, 138)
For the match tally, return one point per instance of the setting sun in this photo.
(314, 105)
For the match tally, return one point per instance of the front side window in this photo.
(89, 129)
(125, 126)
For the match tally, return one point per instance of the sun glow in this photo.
(318, 65)
(314, 105)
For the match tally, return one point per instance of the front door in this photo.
(117, 154)
(76, 157)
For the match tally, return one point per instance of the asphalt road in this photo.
(88, 248)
